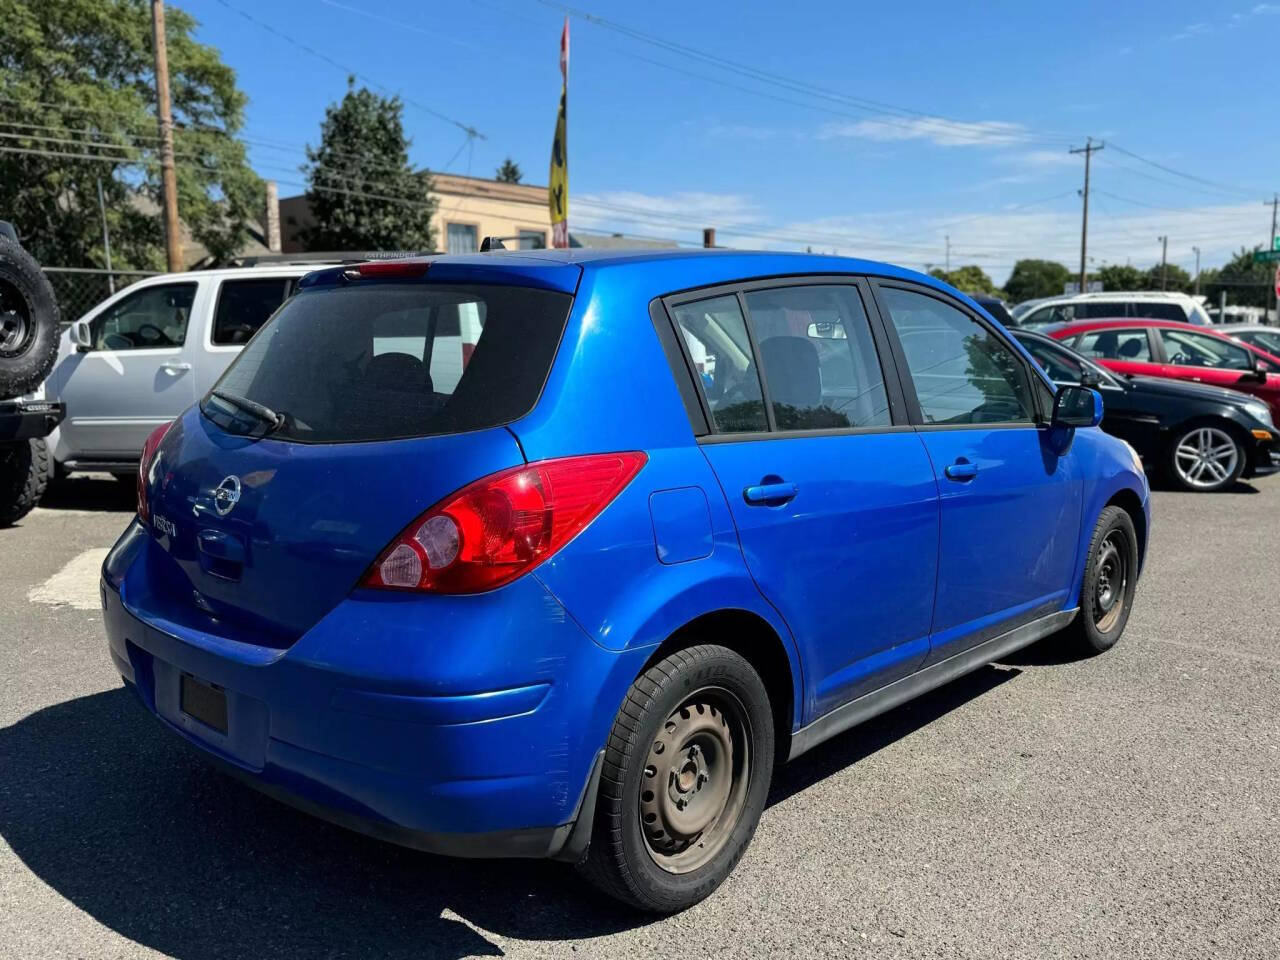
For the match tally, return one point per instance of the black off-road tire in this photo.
(24, 475)
(28, 322)
(1111, 571)
(621, 860)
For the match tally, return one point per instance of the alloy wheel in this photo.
(695, 782)
(1206, 457)
(15, 321)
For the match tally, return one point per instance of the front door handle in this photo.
(170, 366)
(961, 470)
(769, 494)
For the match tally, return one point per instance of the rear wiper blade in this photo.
(261, 411)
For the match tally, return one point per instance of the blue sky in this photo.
(875, 130)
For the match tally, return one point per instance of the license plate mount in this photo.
(204, 703)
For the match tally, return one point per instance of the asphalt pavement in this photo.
(1123, 806)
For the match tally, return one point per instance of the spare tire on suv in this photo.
(28, 319)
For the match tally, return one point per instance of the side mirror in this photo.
(1077, 407)
(1256, 375)
(81, 336)
(1090, 379)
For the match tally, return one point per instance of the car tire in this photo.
(1205, 457)
(1107, 588)
(698, 728)
(28, 322)
(24, 476)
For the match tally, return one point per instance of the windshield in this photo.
(381, 361)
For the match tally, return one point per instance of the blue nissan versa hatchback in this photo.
(555, 554)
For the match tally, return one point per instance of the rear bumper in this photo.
(374, 723)
(29, 419)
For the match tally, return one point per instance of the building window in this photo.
(462, 238)
(532, 240)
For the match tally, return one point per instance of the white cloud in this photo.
(946, 133)
(993, 236)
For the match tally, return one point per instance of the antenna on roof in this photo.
(491, 243)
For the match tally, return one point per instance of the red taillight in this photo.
(149, 448)
(393, 268)
(502, 526)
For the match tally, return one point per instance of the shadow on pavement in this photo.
(91, 492)
(129, 824)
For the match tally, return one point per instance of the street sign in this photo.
(1266, 256)
(1275, 242)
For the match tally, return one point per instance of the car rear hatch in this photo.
(364, 401)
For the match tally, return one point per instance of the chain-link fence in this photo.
(79, 289)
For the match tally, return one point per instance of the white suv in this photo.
(1153, 305)
(144, 355)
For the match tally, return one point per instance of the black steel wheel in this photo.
(686, 773)
(1109, 582)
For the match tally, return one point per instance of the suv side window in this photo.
(716, 334)
(819, 358)
(244, 306)
(1108, 344)
(963, 373)
(1188, 349)
(149, 318)
(1156, 310)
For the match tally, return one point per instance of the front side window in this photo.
(244, 306)
(1263, 340)
(382, 361)
(716, 335)
(153, 317)
(819, 358)
(963, 373)
(461, 238)
(1131, 345)
(1197, 350)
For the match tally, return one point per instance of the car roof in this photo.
(656, 272)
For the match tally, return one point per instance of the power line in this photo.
(306, 48)
(893, 114)
(1179, 173)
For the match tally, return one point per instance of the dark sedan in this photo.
(1202, 438)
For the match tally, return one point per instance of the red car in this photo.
(1176, 351)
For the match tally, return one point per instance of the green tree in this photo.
(1117, 277)
(363, 193)
(969, 279)
(509, 172)
(1178, 279)
(1031, 279)
(77, 105)
(1246, 283)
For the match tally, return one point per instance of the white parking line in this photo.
(75, 585)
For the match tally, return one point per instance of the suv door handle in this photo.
(172, 366)
(769, 494)
(961, 470)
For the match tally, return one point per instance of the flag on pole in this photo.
(558, 181)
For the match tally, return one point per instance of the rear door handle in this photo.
(961, 471)
(769, 494)
(170, 366)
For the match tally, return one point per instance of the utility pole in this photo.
(106, 240)
(948, 253)
(168, 175)
(1197, 251)
(1275, 293)
(1089, 149)
(1164, 262)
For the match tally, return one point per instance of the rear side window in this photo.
(963, 373)
(1101, 310)
(381, 361)
(244, 306)
(716, 335)
(1116, 345)
(819, 359)
(1155, 310)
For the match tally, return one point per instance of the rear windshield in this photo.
(381, 361)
